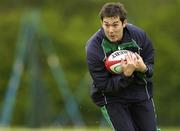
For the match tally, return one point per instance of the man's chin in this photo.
(113, 40)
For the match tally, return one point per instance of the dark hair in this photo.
(113, 9)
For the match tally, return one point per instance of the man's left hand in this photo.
(140, 65)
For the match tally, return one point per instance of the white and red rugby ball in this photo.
(113, 62)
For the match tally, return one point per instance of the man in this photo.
(125, 99)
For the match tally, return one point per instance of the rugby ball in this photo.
(114, 60)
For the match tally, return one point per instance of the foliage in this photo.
(69, 25)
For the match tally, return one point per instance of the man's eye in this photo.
(115, 25)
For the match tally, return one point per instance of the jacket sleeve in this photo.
(147, 54)
(102, 79)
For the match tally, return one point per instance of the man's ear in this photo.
(125, 23)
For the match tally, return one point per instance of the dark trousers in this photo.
(138, 116)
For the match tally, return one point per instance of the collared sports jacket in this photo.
(108, 87)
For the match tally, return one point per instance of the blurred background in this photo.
(43, 73)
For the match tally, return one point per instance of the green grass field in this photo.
(73, 129)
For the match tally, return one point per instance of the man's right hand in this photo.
(129, 66)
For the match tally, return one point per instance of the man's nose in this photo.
(111, 29)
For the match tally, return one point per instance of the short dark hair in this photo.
(113, 9)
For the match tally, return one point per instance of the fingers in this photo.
(128, 66)
(133, 62)
(123, 63)
(130, 58)
(137, 55)
(140, 65)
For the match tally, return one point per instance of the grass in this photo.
(170, 129)
(55, 129)
(75, 129)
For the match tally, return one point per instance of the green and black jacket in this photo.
(108, 87)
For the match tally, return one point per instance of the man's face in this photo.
(113, 28)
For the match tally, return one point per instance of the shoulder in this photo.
(138, 34)
(134, 30)
(95, 40)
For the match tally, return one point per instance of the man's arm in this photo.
(147, 51)
(147, 54)
(103, 80)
